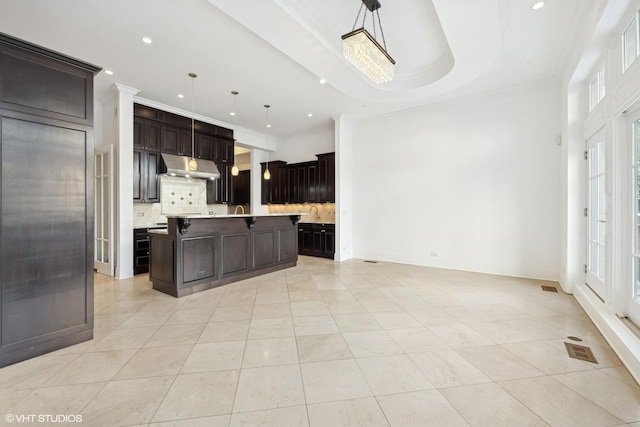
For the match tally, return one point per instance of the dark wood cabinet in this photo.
(147, 134)
(156, 132)
(274, 190)
(326, 177)
(220, 190)
(147, 168)
(202, 253)
(205, 146)
(313, 195)
(224, 184)
(223, 151)
(176, 141)
(46, 232)
(241, 185)
(197, 254)
(307, 182)
(305, 239)
(316, 239)
(141, 249)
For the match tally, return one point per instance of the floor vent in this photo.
(369, 261)
(549, 289)
(580, 352)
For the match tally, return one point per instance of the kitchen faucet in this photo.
(241, 208)
(317, 213)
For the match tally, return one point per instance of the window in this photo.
(596, 89)
(630, 43)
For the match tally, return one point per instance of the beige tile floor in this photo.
(331, 344)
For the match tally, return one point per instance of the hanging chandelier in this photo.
(363, 50)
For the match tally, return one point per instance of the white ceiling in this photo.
(275, 51)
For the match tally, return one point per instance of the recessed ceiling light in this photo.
(109, 72)
(310, 115)
(537, 5)
(147, 40)
(180, 96)
(323, 81)
(268, 126)
(232, 113)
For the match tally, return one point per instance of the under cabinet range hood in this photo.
(189, 167)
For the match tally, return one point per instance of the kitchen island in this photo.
(199, 252)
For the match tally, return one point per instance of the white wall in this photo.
(472, 184)
(303, 148)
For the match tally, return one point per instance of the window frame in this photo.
(597, 91)
(634, 19)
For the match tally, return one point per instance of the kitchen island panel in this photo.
(235, 253)
(197, 253)
(264, 249)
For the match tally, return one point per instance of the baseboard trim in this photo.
(622, 340)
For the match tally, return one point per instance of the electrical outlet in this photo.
(435, 254)
(140, 213)
(210, 212)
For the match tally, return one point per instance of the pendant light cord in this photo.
(193, 117)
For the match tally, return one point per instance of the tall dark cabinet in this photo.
(46, 248)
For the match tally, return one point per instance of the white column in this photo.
(124, 181)
(344, 188)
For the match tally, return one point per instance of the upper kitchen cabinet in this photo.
(176, 140)
(156, 132)
(147, 134)
(223, 150)
(205, 146)
(327, 177)
(46, 232)
(307, 182)
(241, 186)
(147, 168)
(274, 190)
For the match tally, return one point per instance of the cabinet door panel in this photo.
(170, 140)
(152, 183)
(138, 132)
(199, 261)
(44, 230)
(287, 244)
(204, 146)
(152, 135)
(186, 144)
(137, 175)
(235, 251)
(312, 184)
(264, 248)
(43, 86)
(329, 242)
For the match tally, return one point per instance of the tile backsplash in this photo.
(326, 211)
(182, 195)
(179, 196)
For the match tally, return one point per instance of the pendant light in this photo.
(234, 170)
(193, 163)
(267, 174)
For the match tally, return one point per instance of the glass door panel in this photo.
(596, 216)
(103, 205)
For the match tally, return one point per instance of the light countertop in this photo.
(234, 215)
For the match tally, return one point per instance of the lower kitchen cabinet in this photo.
(316, 239)
(141, 249)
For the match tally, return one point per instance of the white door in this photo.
(633, 252)
(103, 193)
(596, 215)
